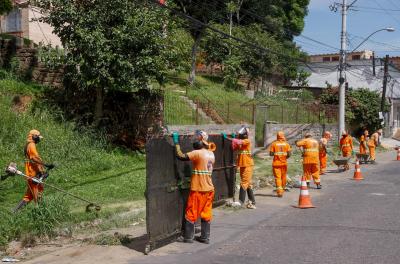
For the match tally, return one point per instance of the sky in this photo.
(364, 18)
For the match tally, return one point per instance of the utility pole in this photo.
(342, 62)
(385, 81)
(342, 69)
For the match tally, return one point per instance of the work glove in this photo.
(175, 138)
(43, 176)
(233, 135)
(223, 134)
(50, 166)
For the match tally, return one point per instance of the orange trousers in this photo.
(311, 170)
(198, 205)
(246, 175)
(322, 163)
(363, 150)
(280, 178)
(372, 153)
(33, 192)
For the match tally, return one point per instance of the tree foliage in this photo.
(362, 107)
(111, 44)
(5, 6)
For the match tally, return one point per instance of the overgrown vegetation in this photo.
(86, 164)
(362, 108)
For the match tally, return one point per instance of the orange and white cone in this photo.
(357, 173)
(398, 153)
(305, 198)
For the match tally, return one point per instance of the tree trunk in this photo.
(196, 44)
(98, 111)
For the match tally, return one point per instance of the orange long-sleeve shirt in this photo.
(280, 148)
(310, 150)
(346, 144)
(244, 156)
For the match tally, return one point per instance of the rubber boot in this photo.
(242, 195)
(319, 186)
(205, 232)
(21, 205)
(188, 233)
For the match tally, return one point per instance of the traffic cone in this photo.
(357, 173)
(398, 153)
(304, 199)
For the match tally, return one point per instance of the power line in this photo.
(200, 23)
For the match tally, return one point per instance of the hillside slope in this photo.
(85, 164)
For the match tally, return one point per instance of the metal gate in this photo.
(168, 184)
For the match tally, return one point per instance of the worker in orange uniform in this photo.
(310, 151)
(363, 142)
(201, 194)
(346, 146)
(373, 142)
(245, 163)
(281, 151)
(323, 153)
(34, 169)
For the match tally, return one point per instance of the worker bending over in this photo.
(201, 194)
(310, 151)
(373, 142)
(346, 146)
(281, 151)
(323, 153)
(34, 168)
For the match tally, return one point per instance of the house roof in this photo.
(359, 74)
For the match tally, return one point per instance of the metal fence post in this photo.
(254, 114)
(197, 112)
(228, 114)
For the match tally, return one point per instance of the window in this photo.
(335, 58)
(326, 59)
(356, 57)
(13, 21)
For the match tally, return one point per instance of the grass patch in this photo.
(86, 165)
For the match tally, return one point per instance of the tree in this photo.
(5, 6)
(111, 44)
(283, 19)
(206, 12)
(362, 107)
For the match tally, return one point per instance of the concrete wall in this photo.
(28, 65)
(294, 132)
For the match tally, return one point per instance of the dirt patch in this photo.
(20, 103)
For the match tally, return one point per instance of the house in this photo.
(357, 55)
(360, 73)
(22, 22)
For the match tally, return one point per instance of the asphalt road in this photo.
(354, 222)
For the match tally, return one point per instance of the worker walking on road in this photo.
(201, 194)
(323, 153)
(310, 151)
(346, 146)
(281, 151)
(373, 142)
(363, 142)
(34, 168)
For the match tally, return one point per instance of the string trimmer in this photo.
(12, 170)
